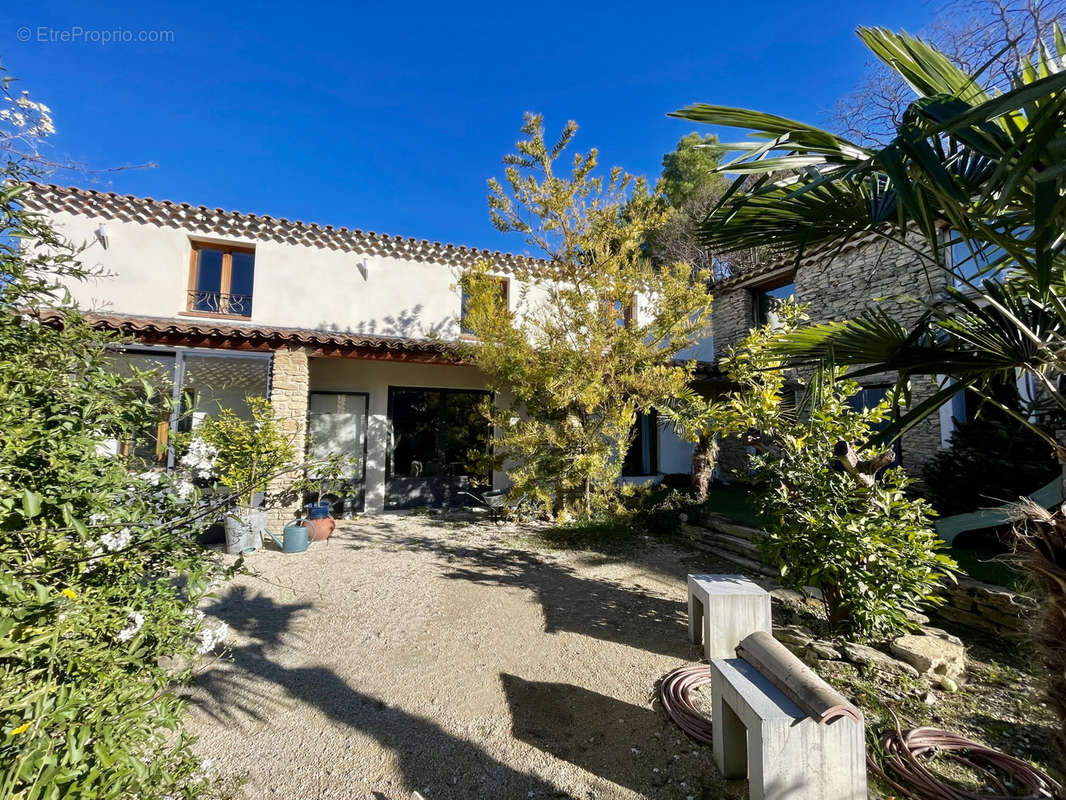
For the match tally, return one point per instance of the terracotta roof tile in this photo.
(159, 328)
(201, 219)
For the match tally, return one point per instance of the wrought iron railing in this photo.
(234, 305)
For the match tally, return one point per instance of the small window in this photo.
(221, 280)
(642, 458)
(766, 301)
(870, 397)
(501, 283)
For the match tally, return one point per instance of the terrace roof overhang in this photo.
(174, 332)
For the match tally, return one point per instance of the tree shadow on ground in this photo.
(590, 730)
(424, 754)
(571, 602)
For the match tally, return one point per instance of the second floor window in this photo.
(464, 326)
(221, 278)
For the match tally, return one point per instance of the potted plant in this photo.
(247, 454)
(327, 481)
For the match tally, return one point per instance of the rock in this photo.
(869, 657)
(792, 636)
(947, 684)
(916, 618)
(789, 597)
(929, 699)
(931, 654)
(824, 650)
(940, 633)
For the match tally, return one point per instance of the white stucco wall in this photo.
(675, 455)
(295, 286)
(298, 286)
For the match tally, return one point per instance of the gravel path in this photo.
(456, 660)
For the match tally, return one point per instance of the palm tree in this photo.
(967, 169)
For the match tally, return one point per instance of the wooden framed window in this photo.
(221, 278)
(502, 284)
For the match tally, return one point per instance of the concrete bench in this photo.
(723, 609)
(785, 753)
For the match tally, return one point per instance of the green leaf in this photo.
(31, 503)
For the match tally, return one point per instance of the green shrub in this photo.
(100, 575)
(660, 510)
(861, 540)
(243, 453)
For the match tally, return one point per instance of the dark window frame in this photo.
(390, 435)
(361, 497)
(653, 428)
(758, 293)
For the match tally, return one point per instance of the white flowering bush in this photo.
(100, 572)
(200, 459)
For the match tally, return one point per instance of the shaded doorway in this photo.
(439, 441)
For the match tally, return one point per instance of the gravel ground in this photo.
(455, 659)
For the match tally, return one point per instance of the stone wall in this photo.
(289, 383)
(874, 274)
(892, 278)
(983, 606)
(731, 318)
(988, 607)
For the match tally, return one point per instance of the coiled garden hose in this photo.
(675, 692)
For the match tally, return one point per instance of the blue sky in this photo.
(391, 116)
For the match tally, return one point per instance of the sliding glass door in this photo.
(438, 443)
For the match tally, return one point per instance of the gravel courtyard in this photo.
(455, 659)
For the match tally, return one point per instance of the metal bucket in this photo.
(244, 530)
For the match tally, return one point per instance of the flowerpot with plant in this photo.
(325, 481)
(248, 453)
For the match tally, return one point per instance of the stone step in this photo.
(749, 564)
(734, 544)
(720, 524)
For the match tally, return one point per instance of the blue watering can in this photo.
(295, 538)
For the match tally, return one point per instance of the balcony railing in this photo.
(230, 305)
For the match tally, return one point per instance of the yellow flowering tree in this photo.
(594, 336)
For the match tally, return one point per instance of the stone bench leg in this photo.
(730, 741)
(722, 610)
(695, 619)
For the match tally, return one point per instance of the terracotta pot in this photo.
(318, 530)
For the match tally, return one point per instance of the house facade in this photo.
(835, 284)
(345, 331)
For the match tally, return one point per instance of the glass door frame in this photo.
(177, 376)
(366, 433)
